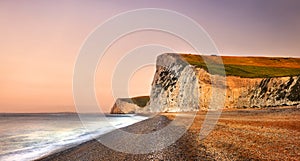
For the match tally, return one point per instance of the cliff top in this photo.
(141, 101)
(247, 67)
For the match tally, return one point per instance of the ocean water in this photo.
(31, 136)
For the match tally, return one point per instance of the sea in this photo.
(32, 136)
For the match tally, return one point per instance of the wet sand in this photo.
(272, 134)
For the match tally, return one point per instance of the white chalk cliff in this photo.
(179, 86)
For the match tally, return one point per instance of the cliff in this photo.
(175, 85)
(254, 92)
(129, 105)
(183, 83)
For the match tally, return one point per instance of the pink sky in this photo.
(41, 39)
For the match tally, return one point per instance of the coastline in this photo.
(239, 135)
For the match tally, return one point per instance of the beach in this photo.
(246, 134)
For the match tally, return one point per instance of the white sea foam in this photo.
(29, 137)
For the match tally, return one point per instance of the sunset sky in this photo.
(40, 41)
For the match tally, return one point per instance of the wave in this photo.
(46, 135)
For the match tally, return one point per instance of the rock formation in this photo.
(175, 85)
(255, 92)
(183, 83)
(123, 107)
(180, 86)
(129, 105)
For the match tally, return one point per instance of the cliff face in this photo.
(129, 105)
(254, 92)
(179, 86)
(174, 87)
(182, 83)
(123, 107)
(276, 92)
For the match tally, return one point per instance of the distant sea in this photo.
(32, 136)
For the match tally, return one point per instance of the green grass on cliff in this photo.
(141, 101)
(247, 67)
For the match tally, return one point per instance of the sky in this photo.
(40, 41)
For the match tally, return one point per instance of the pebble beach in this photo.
(252, 134)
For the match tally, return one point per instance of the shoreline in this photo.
(68, 147)
(239, 135)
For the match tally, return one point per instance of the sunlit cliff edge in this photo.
(184, 82)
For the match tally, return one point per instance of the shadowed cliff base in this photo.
(271, 134)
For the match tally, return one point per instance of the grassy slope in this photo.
(248, 67)
(141, 101)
